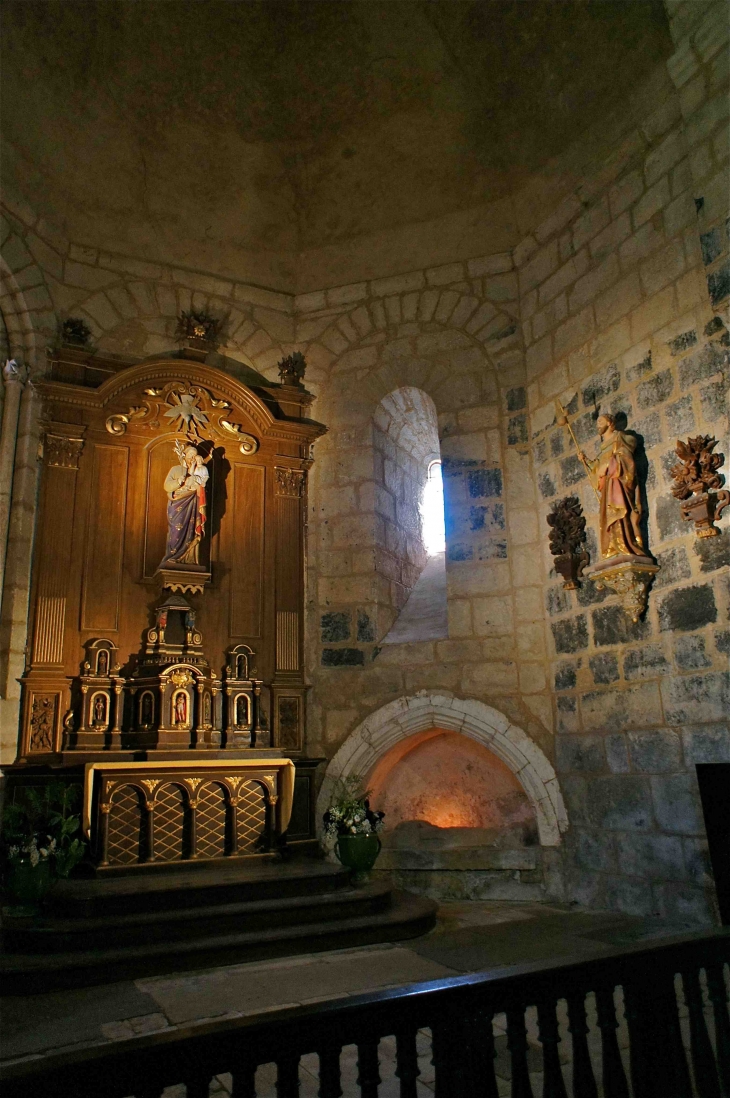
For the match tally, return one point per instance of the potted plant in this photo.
(354, 826)
(39, 843)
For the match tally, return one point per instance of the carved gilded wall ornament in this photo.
(117, 424)
(289, 482)
(247, 443)
(62, 451)
(151, 783)
(181, 678)
(630, 581)
(567, 534)
(185, 411)
(696, 480)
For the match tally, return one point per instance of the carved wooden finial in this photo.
(567, 533)
(695, 480)
(292, 369)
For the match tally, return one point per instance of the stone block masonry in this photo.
(638, 704)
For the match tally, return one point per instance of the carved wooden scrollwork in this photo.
(247, 443)
(117, 424)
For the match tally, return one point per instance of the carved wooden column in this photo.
(288, 688)
(47, 691)
(104, 810)
(150, 824)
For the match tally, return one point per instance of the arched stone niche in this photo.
(450, 781)
(401, 719)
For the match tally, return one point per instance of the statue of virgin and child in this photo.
(186, 485)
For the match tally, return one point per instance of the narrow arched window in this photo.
(432, 511)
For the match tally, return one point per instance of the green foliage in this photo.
(349, 812)
(44, 820)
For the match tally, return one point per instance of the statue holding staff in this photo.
(625, 567)
(617, 487)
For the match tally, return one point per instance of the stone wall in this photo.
(624, 293)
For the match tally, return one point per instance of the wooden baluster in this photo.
(287, 1076)
(584, 1083)
(671, 1073)
(198, 1086)
(329, 1072)
(517, 1045)
(244, 1080)
(483, 1054)
(703, 1061)
(553, 1082)
(442, 1059)
(718, 997)
(368, 1074)
(460, 1035)
(150, 1090)
(406, 1062)
(637, 1009)
(612, 1069)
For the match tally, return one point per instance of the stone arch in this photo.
(460, 319)
(21, 323)
(389, 725)
(136, 313)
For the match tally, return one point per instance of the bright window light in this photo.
(432, 511)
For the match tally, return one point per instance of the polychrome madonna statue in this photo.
(186, 486)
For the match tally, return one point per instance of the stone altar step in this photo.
(51, 934)
(404, 916)
(167, 887)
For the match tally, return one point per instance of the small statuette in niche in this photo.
(567, 536)
(696, 483)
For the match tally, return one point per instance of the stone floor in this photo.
(468, 937)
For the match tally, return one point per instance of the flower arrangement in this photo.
(350, 812)
(41, 827)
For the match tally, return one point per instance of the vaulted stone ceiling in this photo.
(233, 136)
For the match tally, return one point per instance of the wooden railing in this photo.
(459, 1013)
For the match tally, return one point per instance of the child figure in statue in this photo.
(620, 499)
(185, 485)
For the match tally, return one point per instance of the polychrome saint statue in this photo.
(618, 488)
(186, 486)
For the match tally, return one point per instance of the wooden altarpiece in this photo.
(133, 653)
